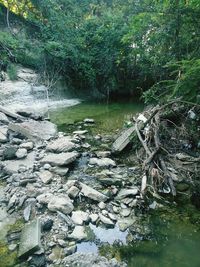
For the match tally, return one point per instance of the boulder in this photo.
(60, 203)
(105, 220)
(60, 159)
(62, 144)
(27, 145)
(92, 193)
(103, 162)
(79, 217)
(123, 193)
(30, 239)
(3, 118)
(3, 134)
(79, 233)
(35, 130)
(21, 153)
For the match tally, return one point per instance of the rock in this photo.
(21, 153)
(44, 198)
(27, 213)
(73, 191)
(80, 132)
(125, 212)
(61, 159)
(79, 217)
(47, 225)
(106, 220)
(62, 144)
(103, 154)
(123, 193)
(61, 203)
(47, 166)
(27, 145)
(182, 187)
(46, 176)
(123, 140)
(70, 250)
(12, 247)
(92, 193)
(79, 233)
(3, 138)
(3, 118)
(102, 205)
(12, 201)
(125, 223)
(90, 260)
(35, 130)
(9, 153)
(38, 261)
(62, 171)
(94, 217)
(30, 239)
(87, 120)
(104, 162)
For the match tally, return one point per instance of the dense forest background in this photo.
(107, 47)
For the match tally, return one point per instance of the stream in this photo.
(171, 236)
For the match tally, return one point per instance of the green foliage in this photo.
(12, 72)
(102, 46)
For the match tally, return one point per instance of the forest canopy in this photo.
(103, 47)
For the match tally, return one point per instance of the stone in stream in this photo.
(79, 233)
(108, 222)
(79, 217)
(103, 162)
(123, 193)
(123, 140)
(61, 203)
(60, 159)
(35, 130)
(30, 239)
(125, 223)
(63, 144)
(92, 193)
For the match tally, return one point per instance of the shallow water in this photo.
(108, 118)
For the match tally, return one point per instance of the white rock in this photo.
(81, 132)
(92, 193)
(4, 118)
(44, 198)
(61, 203)
(103, 162)
(94, 217)
(73, 191)
(21, 153)
(79, 233)
(79, 217)
(125, 212)
(46, 176)
(106, 220)
(123, 193)
(87, 120)
(103, 154)
(27, 145)
(102, 205)
(60, 159)
(62, 144)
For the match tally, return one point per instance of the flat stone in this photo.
(92, 193)
(3, 118)
(123, 140)
(61, 203)
(79, 233)
(106, 220)
(35, 130)
(44, 198)
(27, 145)
(94, 217)
(123, 193)
(27, 213)
(62, 171)
(46, 176)
(79, 217)
(103, 154)
(88, 120)
(60, 159)
(81, 132)
(21, 153)
(70, 250)
(125, 212)
(125, 223)
(30, 239)
(3, 138)
(73, 191)
(62, 144)
(103, 162)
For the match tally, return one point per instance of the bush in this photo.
(12, 72)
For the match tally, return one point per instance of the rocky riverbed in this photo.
(63, 187)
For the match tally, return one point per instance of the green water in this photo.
(108, 118)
